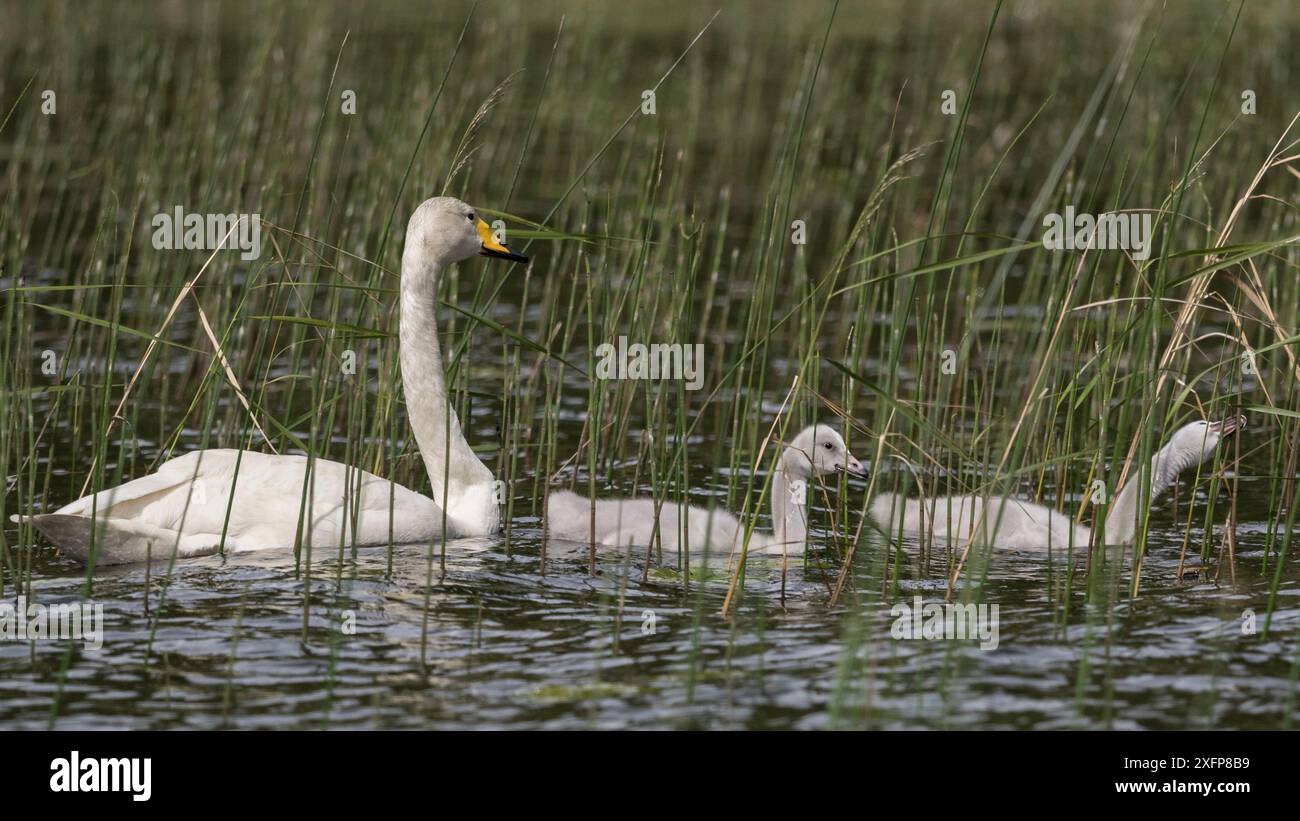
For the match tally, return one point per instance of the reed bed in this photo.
(922, 313)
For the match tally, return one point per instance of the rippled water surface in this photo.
(917, 301)
(240, 642)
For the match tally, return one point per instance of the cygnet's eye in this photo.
(470, 217)
(830, 446)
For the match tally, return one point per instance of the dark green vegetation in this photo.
(922, 238)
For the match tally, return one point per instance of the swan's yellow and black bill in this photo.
(492, 248)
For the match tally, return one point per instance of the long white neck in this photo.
(790, 502)
(462, 485)
(1166, 464)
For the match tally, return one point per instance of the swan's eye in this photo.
(469, 217)
(829, 446)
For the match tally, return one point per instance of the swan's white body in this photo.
(208, 500)
(950, 520)
(1015, 524)
(817, 450)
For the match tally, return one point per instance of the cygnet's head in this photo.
(448, 230)
(819, 450)
(1196, 442)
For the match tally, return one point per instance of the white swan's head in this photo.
(1196, 442)
(819, 450)
(449, 230)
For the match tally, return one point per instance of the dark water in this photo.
(497, 644)
(506, 639)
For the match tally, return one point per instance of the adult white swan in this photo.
(816, 451)
(1016, 524)
(255, 498)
